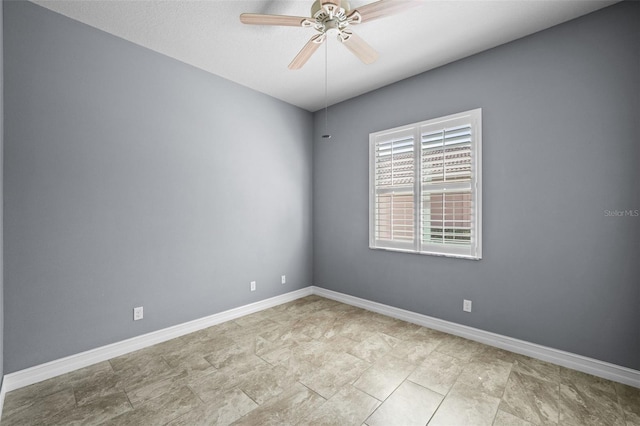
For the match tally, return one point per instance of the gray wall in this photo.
(560, 139)
(133, 179)
(1, 194)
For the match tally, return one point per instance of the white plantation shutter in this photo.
(447, 198)
(394, 176)
(434, 207)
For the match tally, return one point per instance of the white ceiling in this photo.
(208, 34)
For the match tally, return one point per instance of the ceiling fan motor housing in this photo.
(333, 15)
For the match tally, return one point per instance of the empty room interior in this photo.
(216, 219)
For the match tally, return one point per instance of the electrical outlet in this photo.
(466, 305)
(138, 313)
(284, 279)
(253, 286)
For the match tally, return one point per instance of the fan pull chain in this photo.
(326, 91)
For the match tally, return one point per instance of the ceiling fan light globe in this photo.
(332, 24)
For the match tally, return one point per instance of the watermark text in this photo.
(622, 213)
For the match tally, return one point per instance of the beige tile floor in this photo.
(319, 362)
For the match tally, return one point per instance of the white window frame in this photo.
(473, 250)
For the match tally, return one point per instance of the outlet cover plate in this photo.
(466, 305)
(138, 313)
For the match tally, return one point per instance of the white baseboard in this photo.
(64, 365)
(60, 366)
(592, 366)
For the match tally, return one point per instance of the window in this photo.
(425, 187)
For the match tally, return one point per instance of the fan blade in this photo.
(285, 20)
(358, 47)
(309, 49)
(380, 9)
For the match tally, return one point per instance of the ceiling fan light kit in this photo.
(333, 16)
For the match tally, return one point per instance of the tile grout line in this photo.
(495, 416)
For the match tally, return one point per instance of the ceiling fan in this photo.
(333, 16)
